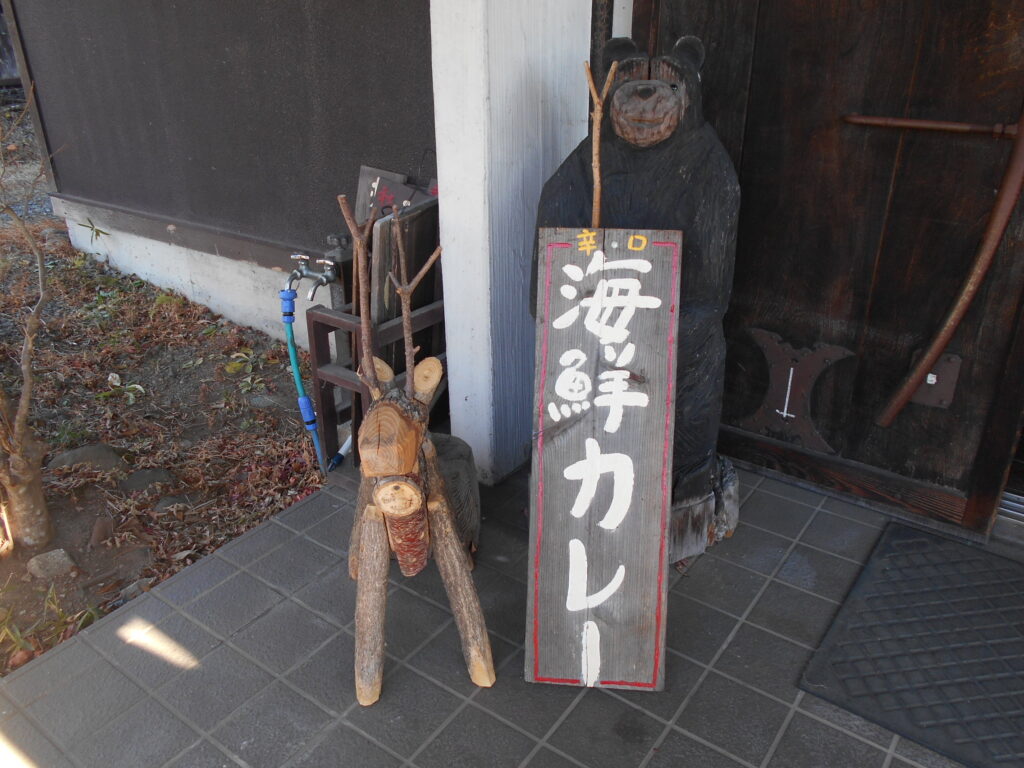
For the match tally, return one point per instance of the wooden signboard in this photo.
(602, 461)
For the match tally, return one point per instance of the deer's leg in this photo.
(452, 562)
(371, 598)
(362, 500)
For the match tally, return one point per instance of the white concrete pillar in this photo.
(510, 102)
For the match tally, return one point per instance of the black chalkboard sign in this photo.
(600, 487)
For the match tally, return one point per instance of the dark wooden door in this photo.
(860, 237)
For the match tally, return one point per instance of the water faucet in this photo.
(328, 275)
(301, 271)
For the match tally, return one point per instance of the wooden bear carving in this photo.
(663, 167)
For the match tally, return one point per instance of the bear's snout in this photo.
(645, 112)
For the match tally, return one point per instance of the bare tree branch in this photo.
(598, 117)
(32, 323)
(361, 271)
(405, 290)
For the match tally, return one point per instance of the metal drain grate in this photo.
(930, 644)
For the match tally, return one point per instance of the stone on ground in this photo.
(51, 565)
(100, 455)
(142, 479)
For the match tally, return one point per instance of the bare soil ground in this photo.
(167, 384)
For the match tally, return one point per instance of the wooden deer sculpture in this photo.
(403, 505)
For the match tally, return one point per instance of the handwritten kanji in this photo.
(614, 301)
(616, 397)
(586, 241)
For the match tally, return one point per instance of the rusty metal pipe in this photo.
(999, 130)
(1006, 200)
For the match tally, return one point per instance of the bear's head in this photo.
(651, 98)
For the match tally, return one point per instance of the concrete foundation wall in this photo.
(243, 292)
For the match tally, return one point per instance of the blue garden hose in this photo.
(305, 404)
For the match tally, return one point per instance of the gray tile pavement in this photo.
(245, 659)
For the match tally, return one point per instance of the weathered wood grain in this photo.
(941, 198)
(570, 364)
(728, 29)
(860, 237)
(814, 208)
(371, 601)
(869, 483)
(453, 563)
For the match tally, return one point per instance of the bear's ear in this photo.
(617, 49)
(689, 50)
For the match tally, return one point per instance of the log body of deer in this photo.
(663, 167)
(405, 505)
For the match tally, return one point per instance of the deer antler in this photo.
(405, 290)
(360, 271)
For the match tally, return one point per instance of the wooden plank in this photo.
(847, 477)
(601, 480)
(389, 332)
(646, 16)
(815, 191)
(1001, 439)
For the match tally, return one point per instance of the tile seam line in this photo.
(689, 734)
(50, 739)
(431, 737)
(772, 578)
(543, 741)
(225, 641)
(891, 752)
(805, 544)
(339, 722)
(447, 609)
(765, 576)
(401, 662)
(472, 698)
(216, 554)
(343, 721)
(301, 505)
(66, 749)
(805, 712)
(732, 615)
(782, 731)
(469, 701)
(156, 696)
(725, 644)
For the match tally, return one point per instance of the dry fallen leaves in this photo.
(240, 464)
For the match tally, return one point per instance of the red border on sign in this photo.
(665, 470)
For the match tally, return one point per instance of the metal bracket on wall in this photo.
(939, 384)
(792, 374)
